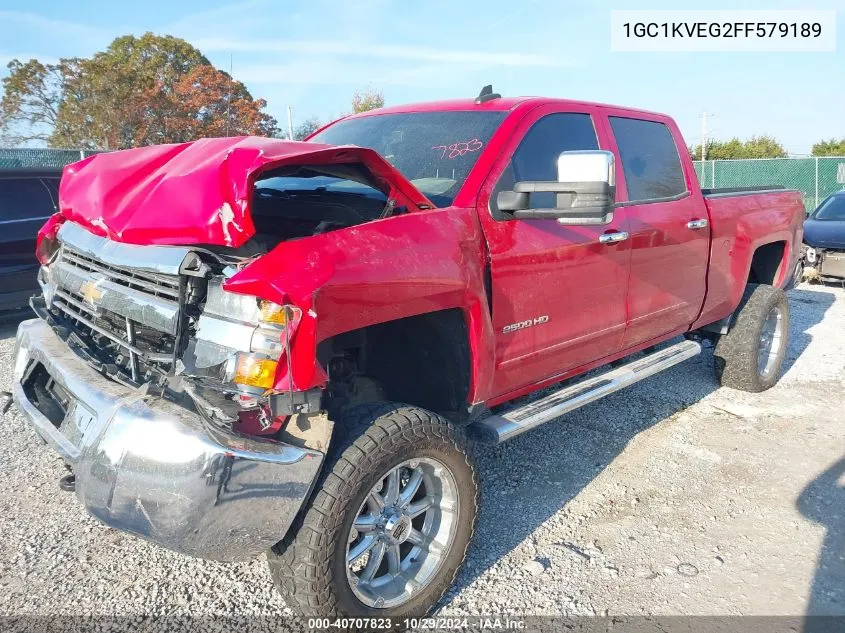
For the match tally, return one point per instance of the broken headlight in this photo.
(239, 340)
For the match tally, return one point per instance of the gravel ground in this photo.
(673, 497)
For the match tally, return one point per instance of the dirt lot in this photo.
(674, 497)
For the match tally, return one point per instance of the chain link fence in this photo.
(36, 158)
(815, 177)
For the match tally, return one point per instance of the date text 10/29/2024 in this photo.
(498, 623)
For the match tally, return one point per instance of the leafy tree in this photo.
(140, 90)
(832, 147)
(364, 100)
(755, 147)
(306, 128)
(201, 103)
(764, 147)
(32, 96)
(120, 91)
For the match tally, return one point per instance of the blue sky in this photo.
(313, 55)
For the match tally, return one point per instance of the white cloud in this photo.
(379, 51)
(44, 25)
(299, 72)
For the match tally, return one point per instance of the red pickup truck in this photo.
(250, 345)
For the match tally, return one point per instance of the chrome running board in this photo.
(498, 428)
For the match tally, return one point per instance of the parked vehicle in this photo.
(27, 198)
(824, 239)
(250, 345)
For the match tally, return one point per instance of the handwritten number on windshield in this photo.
(459, 149)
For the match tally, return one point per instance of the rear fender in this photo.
(741, 226)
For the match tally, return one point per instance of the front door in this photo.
(558, 293)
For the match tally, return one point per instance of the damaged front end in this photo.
(158, 387)
(823, 264)
(231, 363)
(174, 362)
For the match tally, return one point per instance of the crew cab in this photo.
(250, 345)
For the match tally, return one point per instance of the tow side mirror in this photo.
(585, 191)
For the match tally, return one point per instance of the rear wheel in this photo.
(750, 356)
(797, 274)
(390, 522)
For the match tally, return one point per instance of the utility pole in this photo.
(290, 123)
(229, 97)
(704, 116)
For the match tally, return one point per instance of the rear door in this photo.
(558, 294)
(669, 227)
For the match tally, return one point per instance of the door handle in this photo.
(697, 224)
(613, 238)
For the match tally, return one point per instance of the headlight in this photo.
(240, 338)
(276, 314)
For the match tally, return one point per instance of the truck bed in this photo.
(713, 192)
(742, 221)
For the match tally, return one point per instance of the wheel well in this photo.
(766, 263)
(422, 360)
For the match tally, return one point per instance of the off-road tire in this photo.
(309, 565)
(736, 353)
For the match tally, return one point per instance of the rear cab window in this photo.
(650, 160)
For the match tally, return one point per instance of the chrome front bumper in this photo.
(150, 467)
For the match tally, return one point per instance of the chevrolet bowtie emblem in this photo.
(90, 292)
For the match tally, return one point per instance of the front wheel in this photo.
(390, 522)
(750, 356)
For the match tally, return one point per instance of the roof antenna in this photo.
(487, 94)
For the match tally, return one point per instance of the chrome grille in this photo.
(156, 284)
(124, 332)
(129, 316)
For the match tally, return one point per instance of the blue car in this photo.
(824, 239)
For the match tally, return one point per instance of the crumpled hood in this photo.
(824, 233)
(198, 192)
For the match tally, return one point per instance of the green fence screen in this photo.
(35, 158)
(816, 178)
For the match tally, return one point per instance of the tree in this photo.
(755, 147)
(764, 147)
(306, 128)
(365, 100)
(32, 95)
(140, 90)
(832, 147)
(121, 90)
(203, 102)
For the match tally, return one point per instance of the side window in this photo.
(650, 159)
(536, 156)
(24, 199)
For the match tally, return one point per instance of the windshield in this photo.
(831, 209)
(434, 150)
